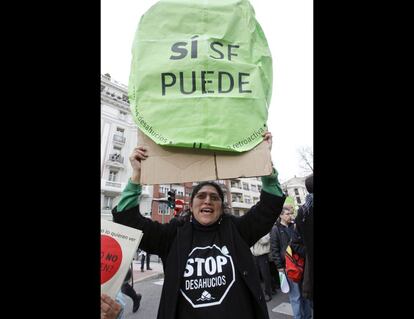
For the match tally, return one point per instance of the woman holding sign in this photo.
(208, 267)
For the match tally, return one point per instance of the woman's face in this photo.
(207, 206)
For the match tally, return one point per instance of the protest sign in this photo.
(178, 165)
(201, 75)
(118, 246)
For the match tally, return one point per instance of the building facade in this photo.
(160, 210)
(243, 193)
(118, 139)
(296, 189)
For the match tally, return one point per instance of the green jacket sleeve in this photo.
(129, 196)
(271, 185)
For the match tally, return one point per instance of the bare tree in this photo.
(306, 159)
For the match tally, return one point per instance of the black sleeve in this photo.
(259, 220)
(297, 244)
(156, 237)
(275, 253)
(299, 222)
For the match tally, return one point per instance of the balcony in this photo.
(113, 184)
(236, 190)
(106, 214)
(115, 160)
(112, 188)
(119, 140)
(241, 205)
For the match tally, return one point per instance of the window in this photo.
(112, 176)
(236, 198)
(163, 209)
(254, 187)
(125, 98)
(117, 158)
(122, 115)
(246, 186)
(102, 87)
(259, 188)
(247, 199)
(119, 135)
(181, 193)
(296, 191)
(298, 200)
(235, 184)
(108, 202)
(120, 131)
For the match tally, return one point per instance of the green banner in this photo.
(201, 75)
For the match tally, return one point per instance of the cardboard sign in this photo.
(179, 165)
(118, 246)
(201, 75)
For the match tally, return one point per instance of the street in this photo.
(149, 284)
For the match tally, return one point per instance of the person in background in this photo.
(283, 234)
(128, 290)
(260, 251)
(147, 257)
(304, 223)
(274, 275)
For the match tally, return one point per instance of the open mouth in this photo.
(206, 210)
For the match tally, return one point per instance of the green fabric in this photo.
(129, 196)
(290, 201)
(184, 55)
(271, 185)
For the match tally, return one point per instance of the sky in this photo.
(288, 27)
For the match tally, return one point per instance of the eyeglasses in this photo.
(203, 195)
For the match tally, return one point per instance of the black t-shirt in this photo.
(211, 287)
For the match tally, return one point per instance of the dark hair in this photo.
(202, 184)
(309, 183)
